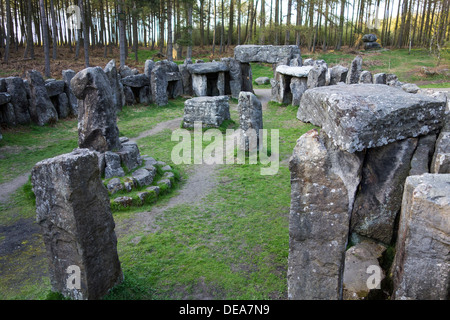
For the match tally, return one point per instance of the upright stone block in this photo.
(355, 70)
(73, 102)
(16, 89)
(42, 110)
(97, 127)
(421, 268)
(250, 120)
(211, 111)
(73, 211)
(116, 85)
(323, 184)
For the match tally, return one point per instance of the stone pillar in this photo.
(73, 102)
(355, 70)
(221, 83)
(16, 89)
(199, 84)
(298, 86)
(116, 85)
(97, 127)
(324, 180)
(421, 268)
(73, 211)
(42, 110)
(250, 120)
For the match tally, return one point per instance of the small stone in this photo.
(142, 177)
(129, 184)
(114, 185)
(156, 189)
(166, 182)
(166, 168)
(124, 201)
(262, 80)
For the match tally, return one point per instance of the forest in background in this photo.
(174, 26)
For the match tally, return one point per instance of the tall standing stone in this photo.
(250, 120)
(116, 85)
(73, 211)
(355, 70)
(16, 89)
(97, 127)
(73, 102)
(159, 84)
(421, 268)
(323, 183)
(42, 110)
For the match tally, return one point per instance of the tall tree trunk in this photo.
(45, 39)
(214, 31)
(238, 21)
(288, 23)
(169, 31)
(8, 31)
(85, 33)
(30, 45)
(54, 30)
(122, 33)
(189, 49)
(299, 22)
(230, 25)
(161, 27)
(134, 15)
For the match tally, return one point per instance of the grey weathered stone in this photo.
(299, 72)
(4, 98)
(129, 184)
(136, 81)
(150, 161)
(410, 87)
(441, 158)
(165, 182)
(250, 120)
(235, 76)
(322, 191)
(16, 88)
(298, 87)
(156, 189)
(55, 87)
(186, 77)
(130, 156)
(73, 101)
(128, 93)
(316, 76)
(42, 110)
(420, 162)
(247, 77)
(265, 53)
(211, 111)
(166, 168)
(199, 85)
(421, 268)
(308, 62)
(97, 127)
(379, 78)
(262, 80)
(142, 177)
(380, 192)
(7, 115)
(371, 45)
(116, 85)
(114, 185)
(73, 211)
(124, 201)
(361, 116)
(125, 71)
(148, 67)
(2, 85)
(145, 95)
(365, 77)
(62, 105)
(355, 70)
(113, 166)
(369, 37)
(338, 74)
(358, 259)
(159, 84)
(207, 67)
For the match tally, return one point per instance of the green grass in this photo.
(407, 66)
(261, 70)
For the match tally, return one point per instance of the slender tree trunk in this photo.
(288, 23)
(298, 22)
(230, 26)
(122, 33)
(30, 45)
(54, 30)
(214, 31)
(45, 39)
(238, 21)
(189, 49)
(169, 31)
(8, 31)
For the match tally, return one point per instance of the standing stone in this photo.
(379, 78)
(62, 105)
(441, 158)
(199, 84)
(420, 162)
(145, 95)
(365, 77)
(317, 76)
(42, 110)
(421, 268)
(298, 86)
(97, 128)
(186, 77)
(73, 211)
(322, 189)
(130, 99)
(116, 85)
(159, 84)
(247, 77)
(235, 76)
(113, 166)
(16, 89)
(130, 156)
(73, 102)
(355, 70)
(338, 74)
(54, 87)
(250, 118)
(7, 115)
(380, 193)
(148, 67)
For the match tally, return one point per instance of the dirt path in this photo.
(7, 188)
(170, 124)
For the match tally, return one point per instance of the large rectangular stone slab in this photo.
(211, 111)
(299, 72)
(360, 116)
(266, 53)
